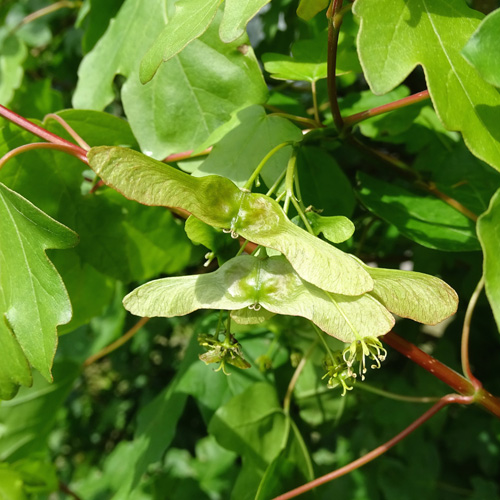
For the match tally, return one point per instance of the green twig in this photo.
(63, 4)
(117, 343)
(261, 165)
(295, 377)
(466, 334)
(398, 397)
(315, 102)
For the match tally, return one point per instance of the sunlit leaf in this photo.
(33, 300)
(13, 52)
(245, 146)
(336, 229)
(118, 52)
(237, 13)
(252, 424)
(193, 93)
(182, 28)
(391, 44)
(483, 48)
(309, 60)
(488, 230)
(307, 9)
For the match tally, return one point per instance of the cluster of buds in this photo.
(339, 366)
(224, 352)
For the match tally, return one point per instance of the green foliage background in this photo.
(151, 421)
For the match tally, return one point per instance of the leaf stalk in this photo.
(350, 121)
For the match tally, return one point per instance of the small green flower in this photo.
(359, 350)
(226, 352)
(338, 373)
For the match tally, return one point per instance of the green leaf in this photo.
(131, 242)
(237, 13)
(98, 21)
(252, 424)
(89, 290)
(96, 127)
(422, 218)
(156, 427)
(119, 51)
(272, 284)
(33, 300)
(11, 484)
(218, 202)
(13, 52)
(36, 99)
(244, 147)
(417, 296)
(323, 184)
(309, 60)
(27, 420)
(483, 48)
(223, 246)
(193, 94)
(307, 9)
(336, 229)
(488, 231)
(290, 469)
(38, 476)
(191, 20)
(391, 44)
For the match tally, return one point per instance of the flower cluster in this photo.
(224, 352)
(338, 373)
(359, 350)
(339, 366)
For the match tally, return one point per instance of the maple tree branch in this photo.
(356, 464)
(29, 126)
(402, 168)
(117, 343)
(48, 10)
(444, 373)
(351, 120)
(334, 23)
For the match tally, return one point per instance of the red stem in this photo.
(184, 155)
(41, 145)
(79, 152)
(31, 127)
(443, 373)
(349, 121)
(444, 401)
